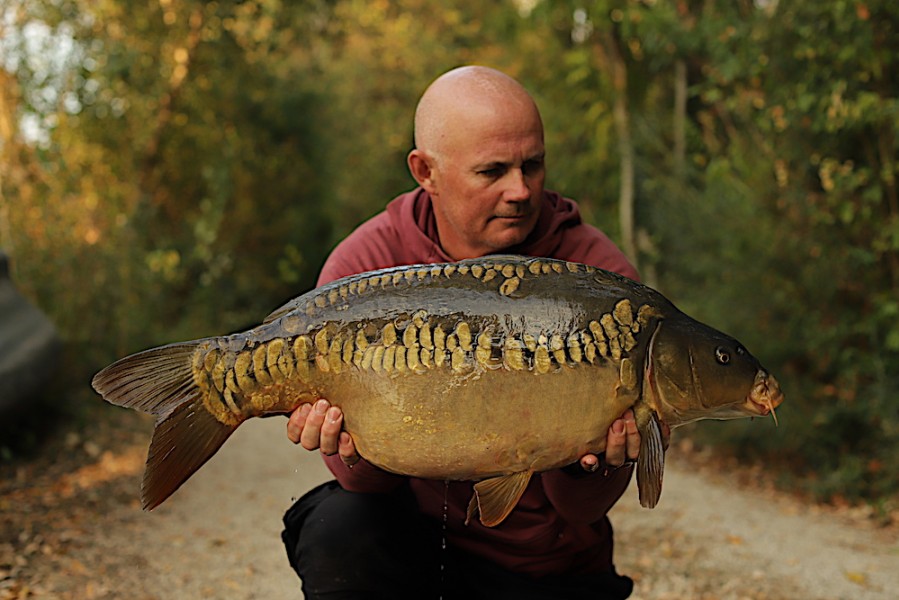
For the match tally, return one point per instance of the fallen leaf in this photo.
(77, 567)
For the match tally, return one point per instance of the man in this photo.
(479, 162)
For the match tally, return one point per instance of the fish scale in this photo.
(271, 362)
(444, 371)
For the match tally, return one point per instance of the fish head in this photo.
(696, 372)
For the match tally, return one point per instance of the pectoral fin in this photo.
(651, 462)
(495, 498)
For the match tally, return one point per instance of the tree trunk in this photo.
(680, 118)
(621, 115)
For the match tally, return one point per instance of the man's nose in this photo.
(517, 188)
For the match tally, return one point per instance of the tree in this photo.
(177, 164)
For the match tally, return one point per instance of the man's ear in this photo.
(421, 166)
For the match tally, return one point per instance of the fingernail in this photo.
(333, 414)
(321, 407)
(618, 427)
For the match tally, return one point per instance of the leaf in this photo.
(856, 577)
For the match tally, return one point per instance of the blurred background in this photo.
(175, 169)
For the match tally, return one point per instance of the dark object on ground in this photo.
(29, 346)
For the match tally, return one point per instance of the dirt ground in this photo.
(71, 528)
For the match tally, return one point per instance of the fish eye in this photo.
(722, 355)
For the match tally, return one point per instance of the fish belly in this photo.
(441, 425)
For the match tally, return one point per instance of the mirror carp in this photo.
(488, 369)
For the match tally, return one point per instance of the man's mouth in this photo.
(514, 218)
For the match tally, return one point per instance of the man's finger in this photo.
(633, 437)
(616, 443)
(296, 422)
(310, 438)
(590, 462)
(331, 431)
(347, 449)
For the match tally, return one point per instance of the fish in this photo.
(486, 370)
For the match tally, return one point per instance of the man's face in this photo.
(488, 180)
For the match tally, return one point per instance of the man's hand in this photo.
(320, 426)
(622, 444)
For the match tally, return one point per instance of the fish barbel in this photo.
(488, 369)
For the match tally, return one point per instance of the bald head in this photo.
(462, 95)
(480, 156)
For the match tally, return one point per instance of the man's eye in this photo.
(494, 172)
(532, 166)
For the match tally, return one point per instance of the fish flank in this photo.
(417, 343)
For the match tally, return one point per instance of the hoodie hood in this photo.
(406, 234)
(412, 214)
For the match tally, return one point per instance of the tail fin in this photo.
(160, 382)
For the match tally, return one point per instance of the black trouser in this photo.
(345, 545)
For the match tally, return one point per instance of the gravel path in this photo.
(711, 539)
(218, 537)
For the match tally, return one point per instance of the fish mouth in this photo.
(764, 396)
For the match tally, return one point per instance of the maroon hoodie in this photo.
(559, 526)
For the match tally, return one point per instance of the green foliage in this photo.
(794, 162)
(182, 167)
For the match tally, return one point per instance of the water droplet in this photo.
(443, 536)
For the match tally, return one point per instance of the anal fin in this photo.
(495, 498)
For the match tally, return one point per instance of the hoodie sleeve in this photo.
(561, 233)
(362, 476)
(585, 497)
(368, 248)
